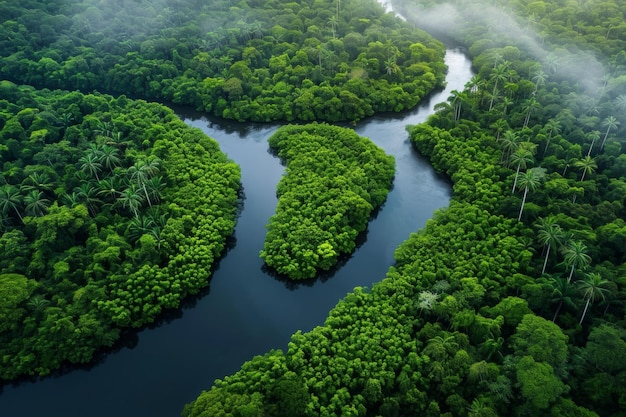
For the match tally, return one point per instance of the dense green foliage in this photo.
(334, 180)
(246, 60)
(111, 211)
(512, 300)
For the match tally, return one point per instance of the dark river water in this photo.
(247, 310)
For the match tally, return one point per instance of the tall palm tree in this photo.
(110, 157)
(594, 135)
(35, 203)
(499, 125)
(553, 127)
(521, 158)
(104, 129)
(131, 199)
(155, 186)
(333, 22)
(539, 78)
(529, 106)
(499, 75)
(530, 180)
(549, 234)
(587, 165)
(87, 194)
(563, 292)
(593, 288)
(37, 181)
(510, 143)
(89, 164)
(575, 256)
(143, 170)
(110, 188)
(10, 200)
(610, 123)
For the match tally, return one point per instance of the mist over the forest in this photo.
(502, 28)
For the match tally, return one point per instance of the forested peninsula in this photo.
(112, 211)
(321, 60)
(511, 301)
(334, 181)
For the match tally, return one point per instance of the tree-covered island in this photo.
(334, 181)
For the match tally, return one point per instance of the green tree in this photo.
(549, 234)
(610, 123)
(499, 75)
(575, 256)
(553, 127)
(10, 200)
(35, 203)
(587, 165)
(538, 383)
(521, 158)
(530, 180)
(563, 292)
(131, 199)
(593, 288)
(15, 289)
(90, 164)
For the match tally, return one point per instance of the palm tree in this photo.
(594, 135)
(593, 288)
(143, 170)
(440, 348)
(36, 204)
(499, 75)
(553, 127)
(104, 129)
(539, 78)
(71, 200)
(86, 193)
(109, 157)
(154, 187)
(110, 188)
(587, 165)
(333, 22)
(530, 180)
(456, 99)
(620, 103)
(37, 303)
(575, 256)
(10, 199)
(499, 125)
(610, 123)
(510, 143)
(522, 157)
(89, 164)
(37, 181)
(563, 292)
(529, 106)
(506, 102)
(131, 199)
(550, 234)
(139, 226)
(391, 66)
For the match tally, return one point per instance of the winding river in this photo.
(247, 311)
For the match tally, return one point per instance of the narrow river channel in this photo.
(247, 311)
